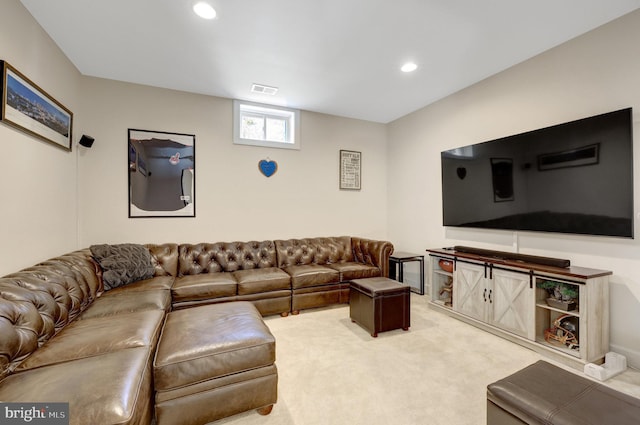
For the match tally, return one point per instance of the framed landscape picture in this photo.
(29, 108)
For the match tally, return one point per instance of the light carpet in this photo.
(331, 371)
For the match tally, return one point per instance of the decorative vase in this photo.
(446, 265)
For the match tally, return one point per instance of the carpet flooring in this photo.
(331, 371)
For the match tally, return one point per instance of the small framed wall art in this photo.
(350, 170)
(27, 107)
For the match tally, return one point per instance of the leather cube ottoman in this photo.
(542, 393)
(214, 361)
(379, 304)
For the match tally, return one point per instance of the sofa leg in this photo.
(265, 410)
(284, 314)
(295, 312)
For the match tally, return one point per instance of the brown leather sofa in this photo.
(278, 277)
(64, 339)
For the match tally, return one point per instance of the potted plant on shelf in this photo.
(562, 295)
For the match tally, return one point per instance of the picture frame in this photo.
(502, 179)
(350, 170)
(161, 169)
(29, 108)
(578, 157)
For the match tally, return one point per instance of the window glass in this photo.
(265, 125)
(277, 130)
(252, 127)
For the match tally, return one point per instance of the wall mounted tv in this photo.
(575, 177)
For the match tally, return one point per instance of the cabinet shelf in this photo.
(440, 285)
(441, 303)
(559, 347)
(546, 306)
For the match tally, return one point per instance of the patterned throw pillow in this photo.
(122, 264)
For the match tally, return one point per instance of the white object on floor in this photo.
(614, 364)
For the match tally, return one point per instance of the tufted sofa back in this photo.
(20, 327)
(37, 302)
(297, 252)
(164, 258)
(365, 250)
(225, 257)
(190, 259)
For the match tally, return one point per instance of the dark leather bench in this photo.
(545, 394)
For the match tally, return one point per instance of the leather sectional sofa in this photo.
(117, 356)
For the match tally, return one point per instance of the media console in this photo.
(505, 294)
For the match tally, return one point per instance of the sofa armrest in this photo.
(372, 252)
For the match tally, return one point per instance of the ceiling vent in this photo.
(259, 88)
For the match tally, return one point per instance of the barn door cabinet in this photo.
(498, 297)
(505, 297)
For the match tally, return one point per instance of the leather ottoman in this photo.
(545, 394)
(214, 361)
(379, 304)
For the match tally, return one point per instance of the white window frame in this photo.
(241, 107)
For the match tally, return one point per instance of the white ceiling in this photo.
(339, 57)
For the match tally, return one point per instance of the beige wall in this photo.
(37, 179)
(595, 73)
(47, 211)
(56, 201)
(233, 200)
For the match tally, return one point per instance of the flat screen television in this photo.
(575, 177)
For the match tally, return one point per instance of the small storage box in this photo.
(379, 304)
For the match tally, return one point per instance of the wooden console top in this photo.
(572, 271)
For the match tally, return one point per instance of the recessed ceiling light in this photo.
(204, 10)
(409, 67)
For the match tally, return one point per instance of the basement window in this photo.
(265, 125)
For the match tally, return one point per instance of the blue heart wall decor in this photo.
(268, 167)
